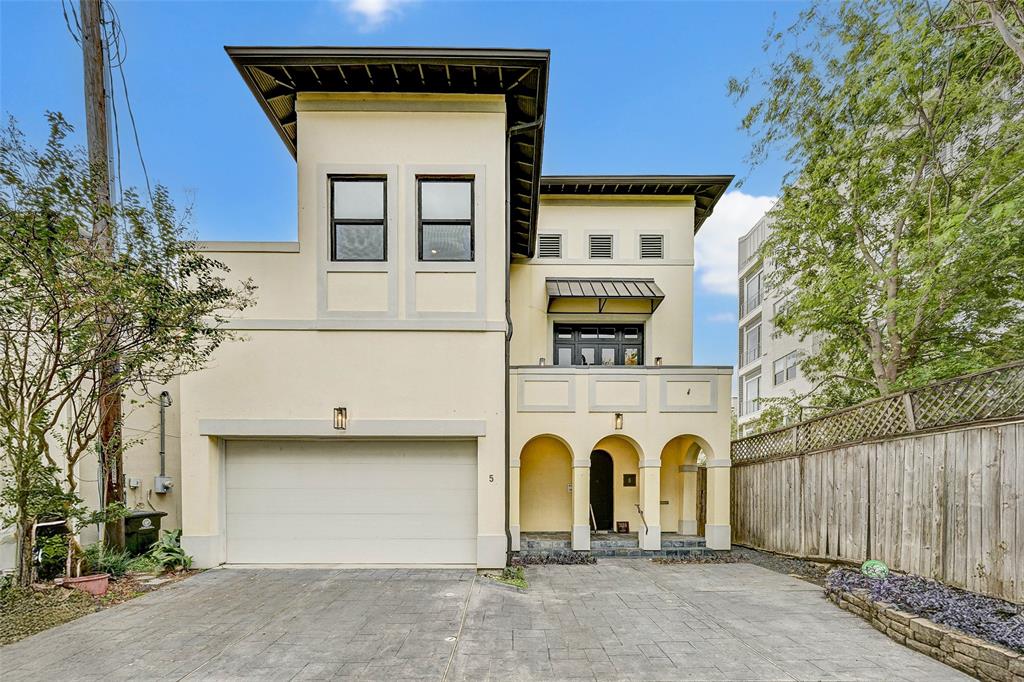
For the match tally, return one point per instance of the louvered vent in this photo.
(549, 246)
(600, 246)
(652, 246)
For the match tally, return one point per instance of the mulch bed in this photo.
(26, 611)
(994, 620)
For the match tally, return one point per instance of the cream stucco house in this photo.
(456, 351)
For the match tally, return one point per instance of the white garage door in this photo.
(355, 503)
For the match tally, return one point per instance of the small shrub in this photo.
(512, 575)
(167, 551)
(51, 556)
(554, 559)
(101, 560)
(144, 564)
(986, 617)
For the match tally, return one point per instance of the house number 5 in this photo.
(491, 478)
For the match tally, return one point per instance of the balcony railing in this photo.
(547, 388)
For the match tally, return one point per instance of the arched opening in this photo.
(545, 486)
(684, 485)
(602, 492)
(625, 480)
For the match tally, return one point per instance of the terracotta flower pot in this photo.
(96, 585)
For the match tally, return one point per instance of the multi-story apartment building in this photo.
(768, 359)
(456, 351)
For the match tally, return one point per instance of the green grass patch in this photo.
(512, 575)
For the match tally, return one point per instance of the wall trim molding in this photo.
(357, 428)
(427, 325)
(246, 247)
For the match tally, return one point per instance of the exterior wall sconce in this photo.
(542, 361)
(657, 361)
(341, 418)
(618, 421)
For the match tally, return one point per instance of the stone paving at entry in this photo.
(621, 619)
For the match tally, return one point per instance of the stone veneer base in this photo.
(974, 656)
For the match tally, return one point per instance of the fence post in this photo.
(908, 409)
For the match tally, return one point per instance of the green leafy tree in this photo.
(66, 307)
(899, 225)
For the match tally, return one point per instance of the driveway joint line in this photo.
(462, 624)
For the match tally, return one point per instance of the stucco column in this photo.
(513, 503)
(688, 499)
(650, 502)
(202, 461)
(581, 505)
(717, 531)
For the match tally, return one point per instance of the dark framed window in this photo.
(358, 218)
(445, 215)
(599, 344)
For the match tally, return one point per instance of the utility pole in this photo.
(94, 61)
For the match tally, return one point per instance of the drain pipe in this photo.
(165, 402)
(163, 482)
(512, 131)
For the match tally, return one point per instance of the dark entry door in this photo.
(601, 479)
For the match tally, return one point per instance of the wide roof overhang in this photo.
(276, 75)
(706, 190)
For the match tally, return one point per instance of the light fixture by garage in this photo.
(341, 418)
(618, 421)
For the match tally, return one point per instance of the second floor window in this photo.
(358, 219)
(751, 344)
(445, 219)
(752, 292)
(784, 368)
(752, 395)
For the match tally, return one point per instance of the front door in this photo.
(585, 344)
(601, 479)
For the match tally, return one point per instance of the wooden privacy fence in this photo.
(930, 481)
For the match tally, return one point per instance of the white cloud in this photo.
(722, 317)
(372, 14)
(715, 247)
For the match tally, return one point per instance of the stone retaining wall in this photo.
(974, 656)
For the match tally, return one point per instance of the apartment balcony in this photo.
(616, 448)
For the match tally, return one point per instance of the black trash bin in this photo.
(141, 529)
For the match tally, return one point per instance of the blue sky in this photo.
(203, 135)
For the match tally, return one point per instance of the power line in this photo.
(117, 54)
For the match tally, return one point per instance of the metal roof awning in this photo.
(603, 290)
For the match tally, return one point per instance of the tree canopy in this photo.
(154, 309)
(899, 226)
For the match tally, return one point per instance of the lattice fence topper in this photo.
(996, 393)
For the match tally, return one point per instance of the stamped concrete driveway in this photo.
(620, 619)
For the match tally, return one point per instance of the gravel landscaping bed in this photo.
(810, 571)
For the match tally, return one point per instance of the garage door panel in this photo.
(369, 503)
(268, 527)
(369, 551)
(341, 500)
